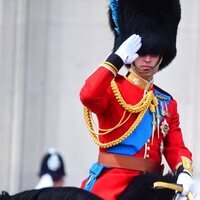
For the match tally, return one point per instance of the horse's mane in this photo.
(53, 193)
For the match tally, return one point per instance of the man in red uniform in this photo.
(138, 122)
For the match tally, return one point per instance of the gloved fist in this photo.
(127, 50)
(186, 181)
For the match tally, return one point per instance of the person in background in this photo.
(52, 171)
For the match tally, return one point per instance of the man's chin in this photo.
(144, 71)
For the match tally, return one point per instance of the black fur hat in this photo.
(156, 21)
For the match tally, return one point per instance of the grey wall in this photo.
(47, 49)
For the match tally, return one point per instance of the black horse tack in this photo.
(142, 188)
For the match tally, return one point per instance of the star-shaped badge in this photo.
(164, 128)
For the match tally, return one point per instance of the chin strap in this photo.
(152, 69)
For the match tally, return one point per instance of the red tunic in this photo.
(98, 96)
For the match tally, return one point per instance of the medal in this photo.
(164, 110)
(164, 128)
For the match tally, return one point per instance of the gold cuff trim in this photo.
(111, 66)
(187, 164)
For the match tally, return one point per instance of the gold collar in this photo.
(139, 81)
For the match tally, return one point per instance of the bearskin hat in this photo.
(156, 21)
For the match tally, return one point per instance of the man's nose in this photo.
(147, 58)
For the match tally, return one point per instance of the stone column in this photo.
(12, 54)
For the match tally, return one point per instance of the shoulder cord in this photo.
(148, 101)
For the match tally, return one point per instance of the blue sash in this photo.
(132, 144)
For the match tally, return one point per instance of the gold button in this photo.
(148, 148)
(148, 140)
(147, 156)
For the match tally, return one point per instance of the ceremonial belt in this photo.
(129, 162)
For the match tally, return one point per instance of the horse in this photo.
(141, 188)
(51, 193)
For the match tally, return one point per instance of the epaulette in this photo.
(163, 92)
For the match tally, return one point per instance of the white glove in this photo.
(127, 50)
(180, 197)
(186, 181)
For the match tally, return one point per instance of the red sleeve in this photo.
(173, 142)
(94, 94)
